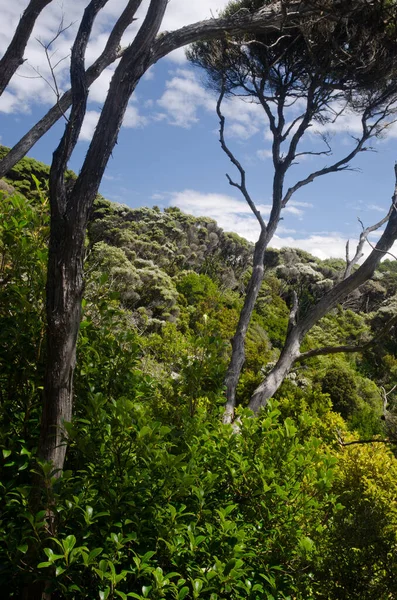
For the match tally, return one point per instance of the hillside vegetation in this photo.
(158, 499)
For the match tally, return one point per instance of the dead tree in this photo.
(13, 57)
(291, 350)
(277, 72)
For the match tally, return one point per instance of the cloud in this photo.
(264, 154)
(132, 119)
(377, 208)
(90, 122)
(185, 97)
(235, 215)
(230, 213)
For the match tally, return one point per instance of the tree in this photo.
(265, 19)
(71, 203)
(278, 73)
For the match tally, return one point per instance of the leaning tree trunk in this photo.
(275, 378)
(238, 343)
(291, 350)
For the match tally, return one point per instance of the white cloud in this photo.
(133, 118)
(235, 215)
(231, 213)
(377, 208)
(185, 96)
(264, 154)
(89, 124)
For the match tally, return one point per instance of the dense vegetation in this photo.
(158, 499)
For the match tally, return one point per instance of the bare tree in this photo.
(280, 73)
(319, 99)
(13, 57)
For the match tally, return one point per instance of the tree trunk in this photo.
(238, 342)
(272, 382)
(64, 293)
(291, 350)
(69, 216)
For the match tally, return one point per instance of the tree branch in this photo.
(362, 239)
(110, 53)
(13, 57)
(79, 103)
(242, 185)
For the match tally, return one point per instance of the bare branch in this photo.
(111, 52)
(349, 348)
(78, 79)
(242, 185)
(365, 238)
(52, 67)
(340, 165)
(13, 56)
(362, 239)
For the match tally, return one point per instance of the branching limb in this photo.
(348, 348)
(350, 263)
(13, 56)
(242, 185)
(78, 79)
(53, 82)
(111, 52)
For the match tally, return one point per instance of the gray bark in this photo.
(13, 57)
(238, 343)
(291, 350)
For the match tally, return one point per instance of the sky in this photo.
(168, 151)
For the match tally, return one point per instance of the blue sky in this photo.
(168, 151)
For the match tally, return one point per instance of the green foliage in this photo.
(158, 499)
(25, 175)
(360, 548)
(340, 384)
(23, 236)
(206, 514)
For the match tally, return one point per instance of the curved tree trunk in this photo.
(275, 378)
(291, 350)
